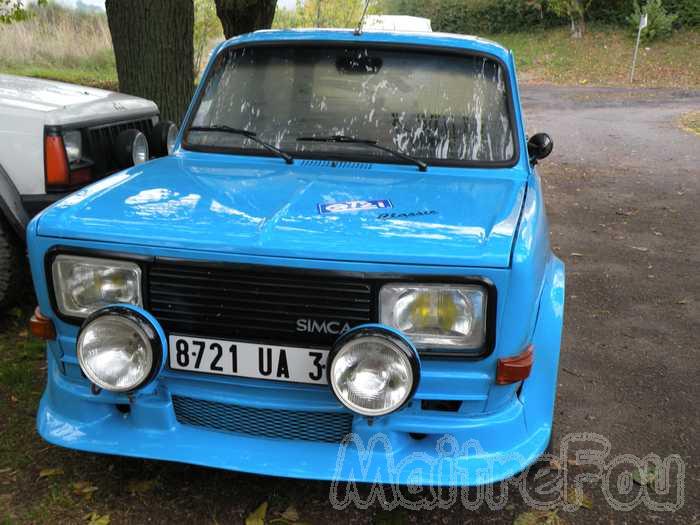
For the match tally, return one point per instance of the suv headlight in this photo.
(73, 142)
(436, 316)
(85, 284)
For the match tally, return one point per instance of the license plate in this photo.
(243, 359)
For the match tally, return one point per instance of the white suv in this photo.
(56, 138)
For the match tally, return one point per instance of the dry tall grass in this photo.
(56, 37)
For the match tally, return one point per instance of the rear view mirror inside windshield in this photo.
(358, 64)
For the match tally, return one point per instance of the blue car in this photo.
(341, 269)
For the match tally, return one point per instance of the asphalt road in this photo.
(622, 195)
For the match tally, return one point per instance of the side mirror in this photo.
(539, 146)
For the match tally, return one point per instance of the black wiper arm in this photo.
(344, 139)
(248, 134)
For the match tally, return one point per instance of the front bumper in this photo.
(495, 446)
(409, 447)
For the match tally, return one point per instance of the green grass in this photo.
(104, 77)
(604, 57)
(691, 122)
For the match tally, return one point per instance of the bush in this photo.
(659, 23)
(477, 16)
(688, 12)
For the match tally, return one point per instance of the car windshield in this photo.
(428, 105)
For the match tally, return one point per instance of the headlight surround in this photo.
(437, 316)
(373, 371)
(73, 142)
(118, 349)
(82, 285)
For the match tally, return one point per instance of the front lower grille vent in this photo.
(294, 425)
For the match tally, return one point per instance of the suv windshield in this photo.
(428, 105)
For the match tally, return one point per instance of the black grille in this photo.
(256, 303)
(101, 141)
(328, 427)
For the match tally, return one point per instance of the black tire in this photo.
(11, 266)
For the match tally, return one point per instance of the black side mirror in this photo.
(539, 146)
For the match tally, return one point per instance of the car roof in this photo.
(428, 39)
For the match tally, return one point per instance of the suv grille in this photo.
(101, 141)
(257, 303)
(328, 427)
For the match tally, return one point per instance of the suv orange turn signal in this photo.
(42, 327)
(56, 162)
(513, 369)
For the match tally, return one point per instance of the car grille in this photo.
(261, 304)
(327, 427)
(101, 141)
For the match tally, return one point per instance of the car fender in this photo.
(538, 393)
(11, 204)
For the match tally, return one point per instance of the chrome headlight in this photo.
(163, 138)
(131, 148)
(73, 142)
(373, 371)
(118, 349)
(85, 284)
(436, 316)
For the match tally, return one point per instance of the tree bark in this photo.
(154, 51)
(243, 16)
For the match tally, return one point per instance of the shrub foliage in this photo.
(659, 23)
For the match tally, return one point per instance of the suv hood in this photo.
(265, 207)
(67, 103)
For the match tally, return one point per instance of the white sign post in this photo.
(642, 24)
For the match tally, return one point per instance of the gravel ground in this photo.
(622, 194)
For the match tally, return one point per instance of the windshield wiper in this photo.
(248, 134)
(344, 139)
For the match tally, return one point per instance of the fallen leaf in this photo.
(49, 472)
(644, 476)
(576, 254)
(580, 500)
(95, 519)
(257, 517)
(141, 486)
(534, 517)
(16, 312)
(83, 488)
(291, 514)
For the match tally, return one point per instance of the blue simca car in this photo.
(348, 241)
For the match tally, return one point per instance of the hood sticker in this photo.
(407, 215)
(359, 205)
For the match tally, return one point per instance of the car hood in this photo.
(265, 207)
(67, 103)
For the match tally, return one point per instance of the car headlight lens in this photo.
(139, 150)
(85, 284)
(131, 148)
(73, 142)
(115, 350)
(373, 373)
(435, 315)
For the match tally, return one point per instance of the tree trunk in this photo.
(153, 47)
(243, 16)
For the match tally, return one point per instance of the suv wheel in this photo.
(11, 266)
